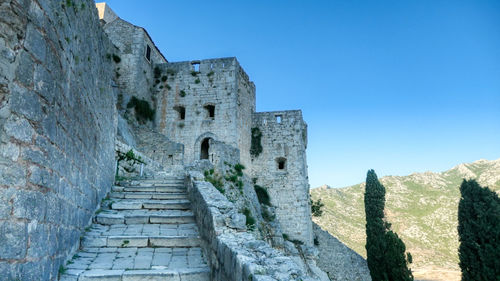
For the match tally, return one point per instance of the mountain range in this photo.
(422, 208)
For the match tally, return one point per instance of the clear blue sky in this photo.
(397, 86)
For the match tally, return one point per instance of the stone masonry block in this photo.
(13, 240)
(29, 205)
(12, 174)
(26, 103)
(25, 69)
(35, 42)
(19, 128)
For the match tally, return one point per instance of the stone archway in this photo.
(204, 149)
(202, 146)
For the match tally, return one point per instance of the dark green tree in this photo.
(479, 232)
(385, 251)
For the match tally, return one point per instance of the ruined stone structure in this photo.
(87, 99)
(202, 101)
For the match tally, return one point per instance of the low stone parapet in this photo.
(233, 253)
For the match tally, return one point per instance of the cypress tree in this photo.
(375, 242)
(479, 232)
(385, 251)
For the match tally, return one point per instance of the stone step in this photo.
(134, 204)
(148, 195)
(141, 241)
(191, 274)
(111, 263)
(164, 189)
(149, 183)
(109, 217)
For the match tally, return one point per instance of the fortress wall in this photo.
(288, 187)
(134, 74)
(214, 84)
(57, 130)
(337, 260)
(246, 108)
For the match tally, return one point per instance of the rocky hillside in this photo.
(422, 208)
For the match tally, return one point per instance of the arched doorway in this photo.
(205, 147)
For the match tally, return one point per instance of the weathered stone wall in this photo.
(57, 130)
(288, 187)
(232, 253)
(160, 149)
(132, 169)
(134, 73)
(216, 83)
(223, 154)
(339, 261)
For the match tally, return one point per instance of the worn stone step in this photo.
(145, 263)
(152, 183)
(133, 204)
(109, 217)
(141, 241)
(164, 189)
(191, 274)
(148, 195)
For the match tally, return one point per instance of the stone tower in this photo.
(201, 103)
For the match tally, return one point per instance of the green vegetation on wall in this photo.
(215, 179)
(256, 146)
(262, 195)
(143, 110)
(317, 207)
(250, 219)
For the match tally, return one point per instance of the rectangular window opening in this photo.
(148, 52)
(279, 119)
(210, 111)
(182, 112)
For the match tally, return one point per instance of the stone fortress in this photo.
(75, 82)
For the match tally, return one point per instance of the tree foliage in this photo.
(479, 232)
(316, 207)
(386, 256)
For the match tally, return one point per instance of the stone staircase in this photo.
(144, 231)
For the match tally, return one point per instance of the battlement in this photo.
(283, 117)
(215, 65)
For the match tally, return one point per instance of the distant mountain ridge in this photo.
(422, 208)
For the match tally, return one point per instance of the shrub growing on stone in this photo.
(143, 110)
(262, 195)
(116, 58)
(256, 146)
(479, 232)
(239, 169)
(250, 219)
(215, 179)
(384, 249)
(157, 72)
(316, 208)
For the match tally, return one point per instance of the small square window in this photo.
(279, 118)
(210, 111)
(281, 162)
